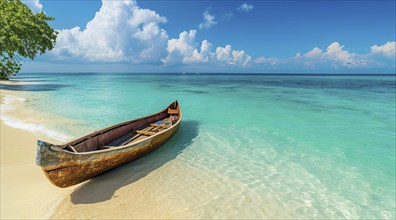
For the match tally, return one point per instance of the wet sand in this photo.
(25, 191)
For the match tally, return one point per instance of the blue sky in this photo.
(220, 36)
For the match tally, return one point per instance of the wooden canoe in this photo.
(81, 159)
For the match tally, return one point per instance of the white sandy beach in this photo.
(25, 191)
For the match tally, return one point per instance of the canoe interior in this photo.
(125, 133)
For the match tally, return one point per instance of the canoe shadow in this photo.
(102, 187)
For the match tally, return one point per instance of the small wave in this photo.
(16, 123)
(9, 101)
(9, 104)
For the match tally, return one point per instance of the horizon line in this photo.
(217, 73)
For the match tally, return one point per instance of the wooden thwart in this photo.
(146, 132)
(161, 125)
(173, 111)
(137, 135)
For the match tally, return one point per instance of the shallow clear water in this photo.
(250, 145)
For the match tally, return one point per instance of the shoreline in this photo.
(25, 191)
(15, 114)
(27, 194)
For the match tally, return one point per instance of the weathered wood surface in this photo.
(65, 168)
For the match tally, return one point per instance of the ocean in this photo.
(249, 146)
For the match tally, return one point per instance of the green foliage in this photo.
(23, 34)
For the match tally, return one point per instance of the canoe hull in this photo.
(64, 170)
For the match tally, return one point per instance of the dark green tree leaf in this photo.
(23, 34)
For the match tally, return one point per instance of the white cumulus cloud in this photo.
(245, 7)
(34, 5)
(316, 52)
(224, 53)
(388, 49)
(204, 55)
(183, 50)
(335, 54)
(120, 31)
(271, 60)
(208, 22)
(234, 57)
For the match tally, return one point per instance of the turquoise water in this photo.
(289, 146)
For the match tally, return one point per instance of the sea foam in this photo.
(11, 104)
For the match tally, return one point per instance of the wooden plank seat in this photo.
(141, 134)
(161, 125)
(173, 111)
(151, 130)
(122, 140)
(149, 133)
